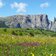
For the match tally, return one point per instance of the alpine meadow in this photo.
(27, 27)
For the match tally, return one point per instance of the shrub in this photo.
(5, 30)
(21, 34)
(14, 33)
(31, 34)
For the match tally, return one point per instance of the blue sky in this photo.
(14, 7)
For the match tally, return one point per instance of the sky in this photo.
(32, 7)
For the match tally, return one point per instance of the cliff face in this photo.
(30, 21)
(54, 25)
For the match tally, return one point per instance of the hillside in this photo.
(27, 42)
(27, 32)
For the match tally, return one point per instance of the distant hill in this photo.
(28, 21)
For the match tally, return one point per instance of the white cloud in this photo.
(21, 7)
(44, 5)
(1, 4)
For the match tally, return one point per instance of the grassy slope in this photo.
(24, 32)
(9, 42)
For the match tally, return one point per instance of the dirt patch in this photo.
(29, 44)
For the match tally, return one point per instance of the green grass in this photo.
(9, 46)
(9, 43)
(26, 32)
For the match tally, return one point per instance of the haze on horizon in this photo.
(14, 7)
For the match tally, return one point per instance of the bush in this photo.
(21, 34)
(5, 30)
(31, 34)
(14, 33)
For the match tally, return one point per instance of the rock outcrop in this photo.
(53, 28)
(30, 21)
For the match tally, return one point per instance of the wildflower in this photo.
(32, 54)
(51, 54)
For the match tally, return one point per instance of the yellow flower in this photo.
(51, 54)
(32, 54)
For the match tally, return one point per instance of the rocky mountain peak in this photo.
(54, 19)
(29, 21)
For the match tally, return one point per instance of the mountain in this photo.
(28, 21)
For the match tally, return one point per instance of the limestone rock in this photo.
(29, 21)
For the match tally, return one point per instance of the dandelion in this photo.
(32, 54)
(51, 54)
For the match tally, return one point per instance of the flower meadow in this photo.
(27, 45)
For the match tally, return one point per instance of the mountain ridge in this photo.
(28, 21)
